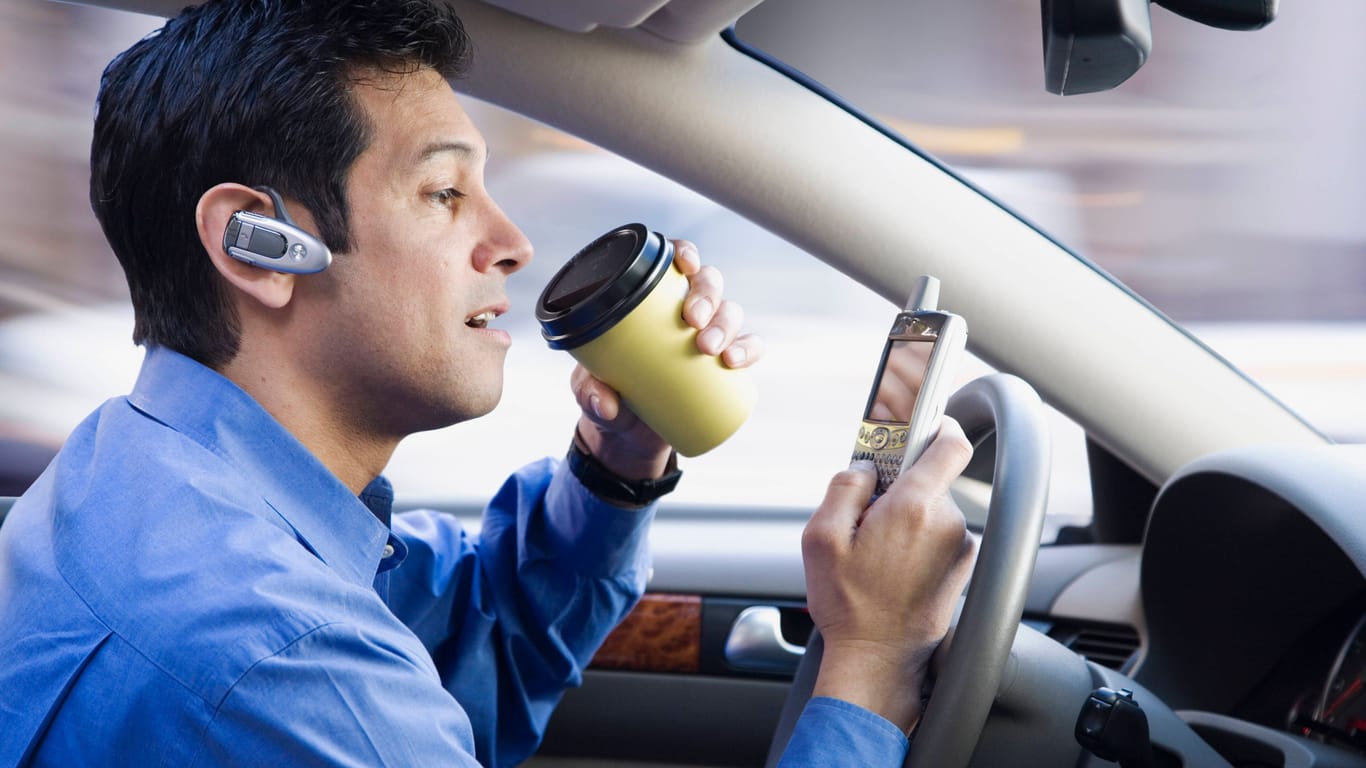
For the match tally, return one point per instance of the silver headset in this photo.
(272, 243)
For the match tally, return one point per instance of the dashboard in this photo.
(1247, 598)
(1336, 712)
(1316, 690)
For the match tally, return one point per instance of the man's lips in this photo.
(483, 317)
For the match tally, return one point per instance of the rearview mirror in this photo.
(1093, 45)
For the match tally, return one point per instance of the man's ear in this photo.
(267, 287)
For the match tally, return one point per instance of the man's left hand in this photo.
(615, 436)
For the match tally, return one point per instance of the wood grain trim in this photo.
(663, 633)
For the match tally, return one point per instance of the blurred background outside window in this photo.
(1223, 183)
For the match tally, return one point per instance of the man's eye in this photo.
(446, 196)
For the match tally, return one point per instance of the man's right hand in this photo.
(882, 580)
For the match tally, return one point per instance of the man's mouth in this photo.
(481, 320)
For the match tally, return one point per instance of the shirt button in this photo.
(388, 551)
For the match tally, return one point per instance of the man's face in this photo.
(407, 343)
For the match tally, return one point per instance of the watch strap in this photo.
(611, 487)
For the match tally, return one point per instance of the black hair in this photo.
(256, 92)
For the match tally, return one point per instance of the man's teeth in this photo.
(480, 320)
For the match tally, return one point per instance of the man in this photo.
(209, 572)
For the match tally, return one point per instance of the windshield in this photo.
(1194, 183)
(1214, 182)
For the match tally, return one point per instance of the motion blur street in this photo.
(1236, 213)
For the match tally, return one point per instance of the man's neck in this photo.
(355, 454)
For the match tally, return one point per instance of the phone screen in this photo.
(885, 431)
(899, 380)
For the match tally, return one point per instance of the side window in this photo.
(823, 333)
(65, 320)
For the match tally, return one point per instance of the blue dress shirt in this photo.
(187, 585)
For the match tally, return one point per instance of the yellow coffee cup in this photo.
(617, 307)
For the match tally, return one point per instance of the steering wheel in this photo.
(970, 661)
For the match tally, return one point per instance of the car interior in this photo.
(1216, 585)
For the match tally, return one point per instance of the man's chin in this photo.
(451, 412)
(489, 408)
(471, 408)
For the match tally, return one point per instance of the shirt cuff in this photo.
(835, 732)
(596, 537)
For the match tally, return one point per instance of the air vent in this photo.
(1109, 645)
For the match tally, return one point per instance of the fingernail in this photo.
(862, 465)
(711, 340)
(595, 403)
(736, 356)
(701, 310)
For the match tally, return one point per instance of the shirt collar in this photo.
(217, 414)
(378, 497)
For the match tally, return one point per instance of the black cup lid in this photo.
(600, 284)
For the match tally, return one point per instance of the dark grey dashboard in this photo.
(1246, 600)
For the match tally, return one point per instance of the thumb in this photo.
(853, 487)
(839, 514)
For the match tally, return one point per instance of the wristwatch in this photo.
(609, 486)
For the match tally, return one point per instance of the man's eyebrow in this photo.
(464, 149)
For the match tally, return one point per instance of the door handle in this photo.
(756, 644)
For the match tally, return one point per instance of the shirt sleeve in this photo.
(339, 696)
(512, 618)
(835, 732)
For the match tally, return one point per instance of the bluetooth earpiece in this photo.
(274, 243)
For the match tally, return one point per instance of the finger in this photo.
(722, 330)
(920, 495)
(831, 527)
(942, 462)
(967, 558)
(920, 504)
(704, 296)
(597, 400)
(745, 351)
(686, 258)
(948, 526)
(959, 549)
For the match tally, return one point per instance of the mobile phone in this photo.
(913, 382)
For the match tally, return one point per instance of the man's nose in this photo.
(504, 246)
